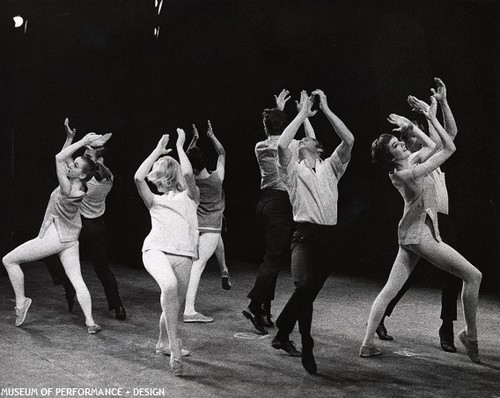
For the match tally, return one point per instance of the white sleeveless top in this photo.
(174, 225)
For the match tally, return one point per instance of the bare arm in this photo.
(345, 147)
(439, 157)
(441, 97)
(308, 128)
(284, 153)
(428, 146)
(186, 167)
(221, 159)
(281, 99)
(65, 156)
(195, 138)
(143, 170)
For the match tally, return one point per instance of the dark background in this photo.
(98, 63)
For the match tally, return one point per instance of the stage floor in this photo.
(53, 350)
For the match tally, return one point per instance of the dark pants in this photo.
(275, 213)
(451, 283)
(92, 244)
(311, 256)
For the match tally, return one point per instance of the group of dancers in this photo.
(298, 210)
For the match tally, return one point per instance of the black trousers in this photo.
(451, 284)
(275, 213)
(311, 256)
(92, 244)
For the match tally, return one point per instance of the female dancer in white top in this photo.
(59, 232)
(418, 230)
(171, 246)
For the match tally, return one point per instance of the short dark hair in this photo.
(197, 158)
(380, 151)
(274, 120)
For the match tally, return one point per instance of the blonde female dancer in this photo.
(169, 249)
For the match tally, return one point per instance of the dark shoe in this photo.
(70, 299)
(256, 320)
(447, 338)
(226, 284)
(382, 333)
(120, 313)
(266, 317)
(285, 345)
(308, 361)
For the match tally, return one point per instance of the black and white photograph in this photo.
(249, 198)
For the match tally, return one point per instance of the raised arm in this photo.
(308, 128)
(64, 157)
(281, 99)
(441, 97)
(195, 138)
(143, 170)
(286, 137)
(428, 145)
(187, 169)
(345, 147)
(70, 134)
(439, 157)
(221, 159)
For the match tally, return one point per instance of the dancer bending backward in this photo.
(418, 232)
(210, 213)
(59, 232)
(220, 251)
(93, 234)
(418, 146)
(275, 212)
(312, 186)
(169, 249)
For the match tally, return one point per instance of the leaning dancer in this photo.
(312, 185)
(418, 232)
(169, 249)
(93, 234)
(417, 144)
(59, 232)
(210, 213)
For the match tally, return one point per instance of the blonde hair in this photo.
(166, 173)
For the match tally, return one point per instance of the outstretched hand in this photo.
(323, 103)
(303, 98)
(210, 131)
(90, 138)
(440, 93)
(101, 141)
(306, 106)
(161, 146)
(195, 132)
(181, 137)
(69, 132)
(401, 122)
(422, 107)
(281, 99)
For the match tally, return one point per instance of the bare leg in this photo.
(401, 270)
(207, 244)
(159, 267)
(34, 249)
(70, 259)
(448, 259)
(220, 254)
